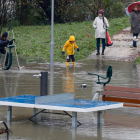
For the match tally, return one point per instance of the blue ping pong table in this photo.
(62, 102)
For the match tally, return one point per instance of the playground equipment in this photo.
(108, 77)
(10, 57)
(43, 83)
(59, 102)
(5, 130)
(10, 52)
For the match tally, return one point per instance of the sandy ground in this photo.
(120, 50)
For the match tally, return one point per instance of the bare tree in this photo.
(29, 12)
(3, 11)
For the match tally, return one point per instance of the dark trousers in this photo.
(135, 42)
(98, 44)
(3, 51)
(69, 57)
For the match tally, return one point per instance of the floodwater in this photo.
(118, 124)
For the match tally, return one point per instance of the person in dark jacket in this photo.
(3, 43)
(135, 24)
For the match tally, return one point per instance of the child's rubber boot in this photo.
(73, 63)
(67, 63)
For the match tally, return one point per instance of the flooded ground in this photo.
(118, 124)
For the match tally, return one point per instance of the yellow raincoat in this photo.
(70, 46)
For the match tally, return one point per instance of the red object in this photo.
(131, 6)
(109, 42)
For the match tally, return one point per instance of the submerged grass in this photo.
(33, 42)
(137, 60)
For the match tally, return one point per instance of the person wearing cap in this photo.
(70, 45)
(3, 43)
(100, 24)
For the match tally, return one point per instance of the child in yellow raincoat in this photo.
(70, 45)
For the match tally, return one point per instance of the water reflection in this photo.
(11, 83)
(100, 65)
(99, 131)
(74, 130)
(69, 80)
(136, 75)
(96, 131)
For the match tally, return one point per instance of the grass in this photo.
(33, 42)
(137, 60)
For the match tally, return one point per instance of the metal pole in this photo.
(99, 132)
(99, 117)
(74, 119)
(52, 43)
(44, 84)
(51, 81)
(9, 113)
(35, 119)
(74, 130)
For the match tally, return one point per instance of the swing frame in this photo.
(10, 52)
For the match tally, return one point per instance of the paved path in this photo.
(120, 50)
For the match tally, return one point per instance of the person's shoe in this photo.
(97, 53)
(135, 38)
(103, 52)
(132, 46)
(73, 63)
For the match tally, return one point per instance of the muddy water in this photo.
(118, 124)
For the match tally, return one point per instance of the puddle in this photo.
(119, 124)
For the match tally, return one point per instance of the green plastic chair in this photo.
(108, 76)
(10, 57)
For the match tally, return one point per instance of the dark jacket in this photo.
(135, 20)
(4, 43)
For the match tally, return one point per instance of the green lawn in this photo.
(33, 42)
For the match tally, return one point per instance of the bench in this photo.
(128, 96)
(108, 77)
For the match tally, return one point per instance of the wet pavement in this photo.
(118, 124)
(120, 50)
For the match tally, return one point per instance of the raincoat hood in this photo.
(72, 38)
(70, 46)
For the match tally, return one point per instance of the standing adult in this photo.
(100, 24)
(135, 24)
